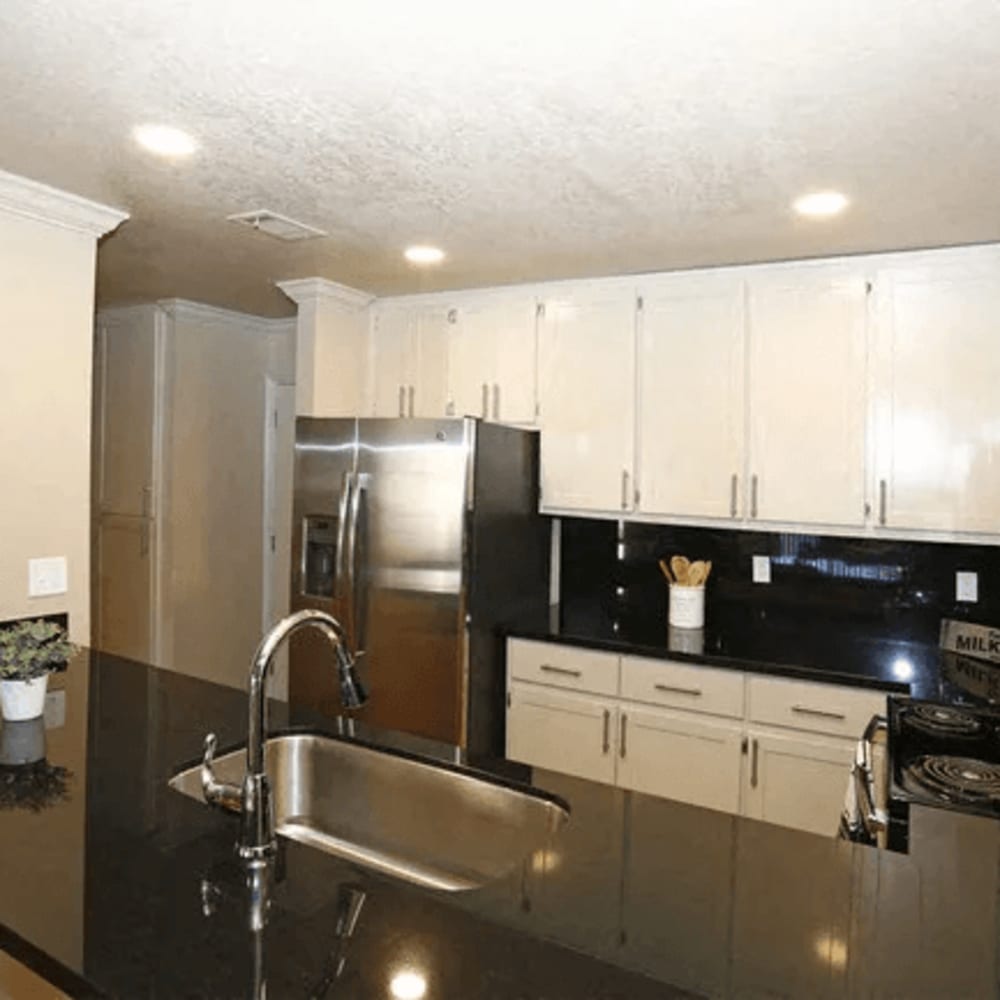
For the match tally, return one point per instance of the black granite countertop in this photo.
(126, 888)
(793, 644)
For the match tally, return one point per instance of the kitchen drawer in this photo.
(563, 666)
(683, 685)
(812, 707)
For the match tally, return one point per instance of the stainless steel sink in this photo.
(415, 819)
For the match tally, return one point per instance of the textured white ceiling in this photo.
(530, 140)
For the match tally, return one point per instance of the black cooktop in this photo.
(945, 755)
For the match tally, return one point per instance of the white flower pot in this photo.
(22, 700)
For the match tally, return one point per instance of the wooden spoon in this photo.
(680, 567)
(665, 570)
(697, 574)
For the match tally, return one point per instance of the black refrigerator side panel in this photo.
(508, 567)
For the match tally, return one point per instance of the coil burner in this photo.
(943, 720)
(962, 780)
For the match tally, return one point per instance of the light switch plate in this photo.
(967, 586)
(46, 576)
(761, 569)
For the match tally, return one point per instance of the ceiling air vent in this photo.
(266, 221)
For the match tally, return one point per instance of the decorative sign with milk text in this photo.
(980, 641)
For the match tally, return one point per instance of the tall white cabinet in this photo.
(586, 384)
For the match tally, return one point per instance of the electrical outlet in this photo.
(46, 576)
(761, 569)
(967, 587)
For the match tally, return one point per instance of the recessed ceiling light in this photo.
(821, 204)
(164, 140)
(423, 255)
(408, 985)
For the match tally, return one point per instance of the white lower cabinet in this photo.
(561, 731)
(796, 779)
(680, 756)
(771, 748)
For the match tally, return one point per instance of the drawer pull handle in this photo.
(753, 764)
(549, 669)
(819, 712)
(607, 732)
(621, 746)
(670, 689)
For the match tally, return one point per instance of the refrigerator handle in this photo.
(343, 507)
(352, 566)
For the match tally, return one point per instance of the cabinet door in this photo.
(808, 332)
(586, 355)
(691, 398)
(394, 337)
(427, 380)
(797, 780)
(560, 731)
(127, 382)
(491, 358)
(680, 756)
(943, 321)
(124, 585)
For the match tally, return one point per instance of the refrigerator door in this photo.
(325, 461)
(405, 572)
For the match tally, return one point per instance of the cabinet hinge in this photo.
(452, 315)
(273, 546)
(636, 497)
(540, 310)
(508, 699)
(868, 510)
(868, 288)
(745, 745)
(638, 303)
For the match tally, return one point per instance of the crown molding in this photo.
(301, 290)
(197, 312)
(27, 198)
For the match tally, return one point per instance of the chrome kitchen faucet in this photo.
(257, 839)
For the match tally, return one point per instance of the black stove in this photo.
(946, 756)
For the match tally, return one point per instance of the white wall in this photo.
(47, 266)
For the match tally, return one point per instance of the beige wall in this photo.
(46, 335)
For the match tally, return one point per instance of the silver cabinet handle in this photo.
(606, 745)
(621, 747)
(753, 495)
(565, 671)
(412, 394)
(624, 489)
(670, 689)
(496, 401)
(818, 712)
(753, 765)
(402, 401)
(881, 501)
(734, 485)
(486, 401)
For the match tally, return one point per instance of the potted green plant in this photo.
(29, 652)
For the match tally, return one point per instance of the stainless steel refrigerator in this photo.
(423, 538)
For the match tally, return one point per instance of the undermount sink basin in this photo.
(418, 820)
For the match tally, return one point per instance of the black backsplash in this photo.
(894, 589)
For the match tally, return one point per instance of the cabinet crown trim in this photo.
(301, 290)
(31, 200)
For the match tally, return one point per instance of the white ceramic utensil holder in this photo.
(687, 606)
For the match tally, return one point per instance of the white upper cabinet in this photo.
(410, 360)
(586, 389)
(691, 396)
(491, 357)
(807, 377)
(939, 419)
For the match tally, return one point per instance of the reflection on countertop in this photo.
(638, 898)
